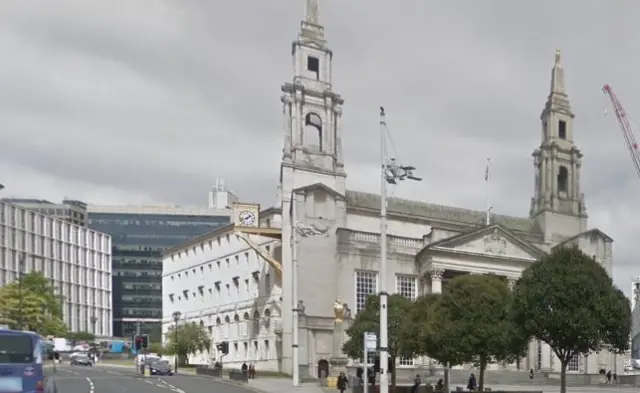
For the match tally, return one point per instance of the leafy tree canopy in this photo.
(191, 339)
(39, 309)
(399, 308)
(471, 323)
(568, 301)
(81, 336)
(368, 320)
(415, 335)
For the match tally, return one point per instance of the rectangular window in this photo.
(16, 348)
(562, 129)
(366, 284)
(405, 362)
(407, 286)
(313, 66)
(574, 363)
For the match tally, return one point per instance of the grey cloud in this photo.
(151, 101)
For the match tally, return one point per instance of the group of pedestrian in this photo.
(249, 370)
(612, 376)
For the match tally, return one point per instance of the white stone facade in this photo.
(427, 244)
(77, 259)
(222, 284)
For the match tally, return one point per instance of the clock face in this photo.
(247, 218)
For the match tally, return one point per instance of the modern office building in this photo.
(140, 235)
(69, 210)
(77, 259)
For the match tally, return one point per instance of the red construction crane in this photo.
(623, 120)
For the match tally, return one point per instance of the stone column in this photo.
(436, 280)
(511, 282)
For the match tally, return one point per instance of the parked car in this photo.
(81, 360)
(159, 367)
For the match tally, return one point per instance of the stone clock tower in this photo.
(312, 176)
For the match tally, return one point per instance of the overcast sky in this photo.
(149, 101)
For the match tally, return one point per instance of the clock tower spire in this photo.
(312, 177)
(312, 111)
(558, 203)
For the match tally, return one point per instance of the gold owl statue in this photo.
(338, 311)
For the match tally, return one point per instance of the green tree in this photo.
(471, 323)
(568, 301)
(35, 303)
(155, 333)
(190, 339)
(368, 320)
(415, 335)
(81, 336)
(157, 348)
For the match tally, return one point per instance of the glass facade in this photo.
(138, 241)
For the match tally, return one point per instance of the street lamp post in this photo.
(20, 297)
(390, 173)
(176, 318)
(298, 230)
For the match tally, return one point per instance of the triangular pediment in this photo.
(575, 240)
(494, 240)
(319, 187)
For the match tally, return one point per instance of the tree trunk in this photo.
(483, 366)
(563, 375)
(447, 366)
(393, 375)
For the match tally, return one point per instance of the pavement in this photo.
(108, 378)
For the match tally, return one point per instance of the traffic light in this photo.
(138, 342)
(145, 341)
(223, 347)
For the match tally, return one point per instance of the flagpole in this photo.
(488, 206)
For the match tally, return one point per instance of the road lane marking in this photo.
(91, 386)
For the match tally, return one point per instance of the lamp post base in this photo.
(338, 365)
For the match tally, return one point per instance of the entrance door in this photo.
(323, 368)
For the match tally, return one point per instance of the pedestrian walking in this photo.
(417, 381)
(342, 383)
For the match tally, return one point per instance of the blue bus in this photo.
(27, 363)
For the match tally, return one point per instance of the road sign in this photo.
(370, 342)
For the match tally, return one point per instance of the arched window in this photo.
(255, 328)
(312, 137)
(227, 322)
(563, 179)
(218, 328)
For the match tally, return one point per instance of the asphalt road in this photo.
(82, 379)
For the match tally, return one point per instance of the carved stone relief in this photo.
(495, 244)
(436, 274)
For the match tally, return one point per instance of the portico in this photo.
(492, 249)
